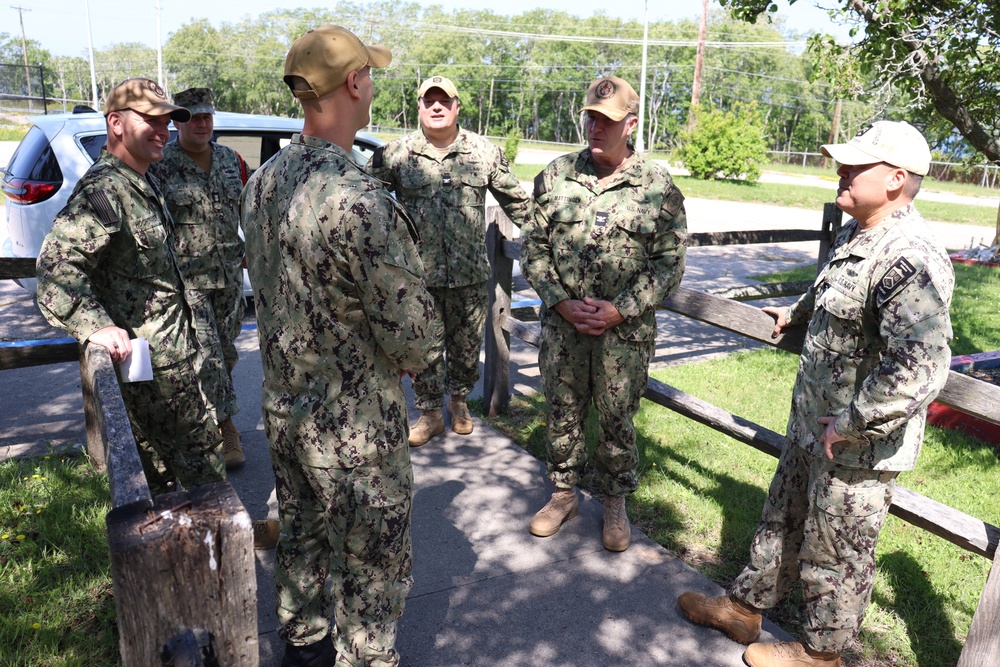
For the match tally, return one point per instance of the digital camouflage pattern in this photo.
(108, 261)
(877, 349)
(205, 212)
(462, 312)
(342, 311)
(820, 525)
(876, 354)
(621, 241)
(445, 194)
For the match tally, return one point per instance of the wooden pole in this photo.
(496, 372)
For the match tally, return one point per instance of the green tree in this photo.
(729, 143)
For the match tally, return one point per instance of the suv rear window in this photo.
(34, 160)
(93, 145)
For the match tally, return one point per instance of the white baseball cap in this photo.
(897, 143)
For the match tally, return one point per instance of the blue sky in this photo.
(60, 25)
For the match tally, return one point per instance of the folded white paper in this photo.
(137, 367)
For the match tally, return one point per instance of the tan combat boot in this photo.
(232, 451)
(741, 623)
(788, 654)
(265, 533)
(461, 418)
(562, 507)
(617, 533)
(431, 423)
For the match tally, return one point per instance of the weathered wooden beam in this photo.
(957, 527)
(17, 267)
(496, 370)
(753, 237)
(110, 442)
(21, 354)
(529, 332)
(971, 396)
(982, 646)
(763, 291)
(187, 562)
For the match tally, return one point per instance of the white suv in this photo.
(58, 150)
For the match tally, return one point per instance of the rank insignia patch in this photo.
(895, 277)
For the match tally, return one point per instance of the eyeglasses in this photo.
(430, 102)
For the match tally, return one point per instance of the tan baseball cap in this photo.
(612, 97)
(438, 82)
(324, 57)
(196, 100)
(144, 96)
(898, 143)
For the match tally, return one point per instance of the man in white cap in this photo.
(107, 275)
(441, 174)
(605, 247)
(342, 311)
(876, 354)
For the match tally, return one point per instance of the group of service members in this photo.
(355, 287)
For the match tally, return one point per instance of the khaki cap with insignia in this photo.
(196, 100)
(438, 82)
(897, 143)
(324, 57)
(612, 97)
(144, 96)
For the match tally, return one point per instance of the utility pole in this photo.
(371, 73)
(699, 63)
(90, 48)
(24, 52)
(159, 49)
(640, 145)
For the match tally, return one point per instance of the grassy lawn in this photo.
(56, 605)
(701, 493)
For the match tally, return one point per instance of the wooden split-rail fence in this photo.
(182, 564)
(971, 396)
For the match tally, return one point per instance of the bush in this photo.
(510, 146)
(727, 143)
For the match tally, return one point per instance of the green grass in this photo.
(701, 493)
(56, 600)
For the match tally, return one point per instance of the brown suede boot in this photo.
(461, 418)
(232, 450)
(722, 612)
(617, 533)
(431, 423)
(266, 533)
(562, 507)
(788, 654)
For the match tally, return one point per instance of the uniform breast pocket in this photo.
(150, 238)
(415, 182)
(473, 183)
(836, 325)
(628, 237)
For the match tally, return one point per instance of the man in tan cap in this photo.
(876, 354)
(202, 181)
(605, 247)
(107, 274)
(342, 311)
(441, 174)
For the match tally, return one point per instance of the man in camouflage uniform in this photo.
(202, 181)
(342, 311)
(441, 173)
(876, 354)
(107, 274)
(606, 246)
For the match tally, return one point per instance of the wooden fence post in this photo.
(496, 371)
(982, 646)
(187, 564)
(832, 219)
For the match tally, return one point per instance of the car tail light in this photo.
(21, 191)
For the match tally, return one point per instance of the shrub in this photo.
(727, 143)
(510, 145)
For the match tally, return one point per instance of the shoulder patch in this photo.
(102, 207)
(674, 202)
(894, 278)
(540, 188)
(378, 157)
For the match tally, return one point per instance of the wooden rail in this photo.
(974, 397)
(182, 564)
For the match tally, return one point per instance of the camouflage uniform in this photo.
(876, 354)
(108, 261)
(446, 194)
(204, 208)
(341, 310)
(623, 242)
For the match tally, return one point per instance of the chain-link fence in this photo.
(22, 88)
